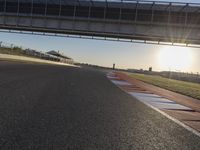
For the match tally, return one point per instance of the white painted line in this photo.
(145, 94)
(113, 77)
(120, 82)
(169, 117)
(111, 74)
(159, 99)
(175, 120)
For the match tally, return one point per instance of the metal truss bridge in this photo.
(128, 20)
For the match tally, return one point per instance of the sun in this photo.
(175, 58)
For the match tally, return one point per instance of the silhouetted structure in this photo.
(61, 57)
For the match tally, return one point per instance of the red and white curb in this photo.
(154, 101)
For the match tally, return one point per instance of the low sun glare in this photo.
(175, 58)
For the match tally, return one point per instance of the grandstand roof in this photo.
(55, 53)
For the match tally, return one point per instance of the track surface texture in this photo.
(49, 107)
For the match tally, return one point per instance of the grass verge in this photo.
(182, 87)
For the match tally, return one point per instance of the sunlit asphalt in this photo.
(47, 107)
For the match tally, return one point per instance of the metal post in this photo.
(17, 19)
(168, 22)
(60, 9)
(152, 12)
(46, 8)
(74, 17)
(185, 23)
(4, 19)
(120, 15)
(45, 20)
(31, 7)
(104, 16)
(89, 14)
(18, 8)
(120, 11)
(74, 14)
(135, 20)
(136, 11)
(31, 21)
(186, 15)
(169, 13)
(4, 6)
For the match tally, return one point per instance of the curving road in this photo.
(48, 107)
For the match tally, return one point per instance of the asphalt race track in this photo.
(49, 107)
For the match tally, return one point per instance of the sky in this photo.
(125, 55)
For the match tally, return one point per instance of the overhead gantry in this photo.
(118, 19)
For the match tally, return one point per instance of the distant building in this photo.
(61, 57)
(31, 52)
(40, 55)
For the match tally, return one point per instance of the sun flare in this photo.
(175, 58)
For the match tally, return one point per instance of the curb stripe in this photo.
(120, 83)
